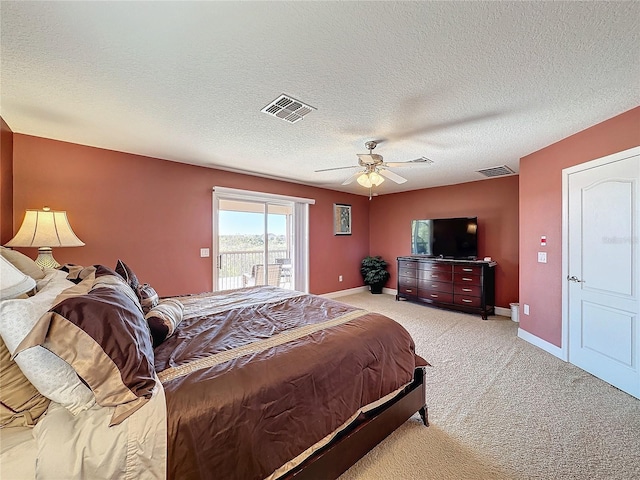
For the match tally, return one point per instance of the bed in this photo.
(258, 382)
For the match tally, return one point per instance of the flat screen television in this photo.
(445, 238)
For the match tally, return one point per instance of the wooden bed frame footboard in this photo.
(370, 429)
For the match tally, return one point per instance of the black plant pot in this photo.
(377, 287)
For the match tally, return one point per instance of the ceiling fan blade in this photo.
(408, 163)
(350, 180)
(391, 176)
(336, 168)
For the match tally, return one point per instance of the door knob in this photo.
(575, 279)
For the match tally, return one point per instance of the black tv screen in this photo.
(445, 237)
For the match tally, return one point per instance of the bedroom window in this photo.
(259, 239)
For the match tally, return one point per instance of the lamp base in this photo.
(45, 258)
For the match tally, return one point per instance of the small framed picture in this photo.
(341, 219)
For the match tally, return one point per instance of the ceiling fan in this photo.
(375, 170)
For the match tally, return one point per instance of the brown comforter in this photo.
(254, 377)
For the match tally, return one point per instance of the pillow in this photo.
(20, 402)
(104, 337)
(22, 263)
(145, 292)
(53, 377)
(147, 296)
(125, 272)
(73, 272)
(117, 283)
(163, 319)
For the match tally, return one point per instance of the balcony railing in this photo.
(234, 264)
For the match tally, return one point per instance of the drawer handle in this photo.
(409, 290)
(466, 300)
(434, 286)
(467, 269)
(467, 279)
(467, 290)
(434, 295)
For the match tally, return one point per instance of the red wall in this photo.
(541, 214)
(156, 215)
(494, 202)
(6, 182)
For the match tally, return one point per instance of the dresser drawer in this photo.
(466, 279)
(431, 275)
(467, 290)
(467, 301)
(406, 264)
(471, 269)
(441, 297)
(409, 291)
(407, 272)
(434, 267)
(407, 282)
(434, 286)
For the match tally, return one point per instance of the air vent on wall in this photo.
(496, 171)
(287, 108)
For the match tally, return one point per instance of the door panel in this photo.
(608, 332)
(607, 223)
(603, 306)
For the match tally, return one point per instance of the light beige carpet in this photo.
(501, 408)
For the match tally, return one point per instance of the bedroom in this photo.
(157, 213)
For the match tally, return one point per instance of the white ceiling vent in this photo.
(287, 108)
(496, 171)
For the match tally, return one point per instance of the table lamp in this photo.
(45, 229)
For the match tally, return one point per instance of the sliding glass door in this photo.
(259, 240)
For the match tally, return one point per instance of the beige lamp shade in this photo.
(369, 179)
(12, 281)
(45, 229)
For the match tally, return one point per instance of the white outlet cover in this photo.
(526, 309)
(204, 252)
(542, 257)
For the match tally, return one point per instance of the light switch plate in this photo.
(542, 257)
(204, 252)
(526, 309)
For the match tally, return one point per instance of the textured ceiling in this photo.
(470, 85)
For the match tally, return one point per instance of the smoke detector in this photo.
(496, 171)
(287, 108)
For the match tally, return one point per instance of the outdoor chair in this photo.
(257, 275)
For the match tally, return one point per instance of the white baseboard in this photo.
(342, 293)
(503, 312)
(543, 344)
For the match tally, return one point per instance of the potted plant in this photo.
(374, 273)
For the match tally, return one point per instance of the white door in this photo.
(603, 271)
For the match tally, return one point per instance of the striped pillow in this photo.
(163, 319)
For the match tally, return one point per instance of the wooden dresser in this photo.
(455, 284)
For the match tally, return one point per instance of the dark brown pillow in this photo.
(103, 335)
(125, 272)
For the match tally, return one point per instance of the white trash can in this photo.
(514, 311)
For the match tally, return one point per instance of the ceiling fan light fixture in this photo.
(375, 178)
(370, 179)
(364, 180)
